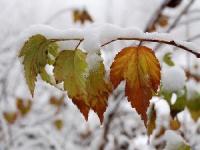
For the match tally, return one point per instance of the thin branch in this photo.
(79, 43)
(173, 43)
(155, 17)
(194, 37)
(192, 76)
(189, 21)
(178, 18)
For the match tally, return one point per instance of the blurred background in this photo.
(50, 121)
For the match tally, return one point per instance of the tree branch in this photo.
(178, 18)
(154, 19)
(192, 76)
(147, 39)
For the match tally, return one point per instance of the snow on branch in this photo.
(106, 34)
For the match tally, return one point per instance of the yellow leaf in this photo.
(58, 124)
(10, 117)
(139, 67)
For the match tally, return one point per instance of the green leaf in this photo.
(168, 60)
(35, 53)
(180, 103)
(184, 146)
(193, 106)
(87, 88)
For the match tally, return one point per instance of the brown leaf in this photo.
(10, 117)
(82, 16)
(24, 106)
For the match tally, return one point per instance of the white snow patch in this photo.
(173, 79)
(91, 41)
(162, 112)
(174, 140)
(93, 60)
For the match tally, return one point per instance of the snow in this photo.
(93, 60)
(19, 15)
(173, 79)
(162, 113)
(192, 89)
(98, 34)
(91, 41)
(174, 140)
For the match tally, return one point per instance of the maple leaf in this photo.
(87, 88)
(139, 67)
(36, 54)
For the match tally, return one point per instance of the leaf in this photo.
(87, 88)
(10, 117)
(175, 124)
(193, 106)
(36, 54)
(139, 67)
(82, 16)
(58, 124)
(23, 106)
(180, 103)
(58, 102)
(163, 20)
(151, 124)
(168, 60)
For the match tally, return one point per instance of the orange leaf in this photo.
(141, 70)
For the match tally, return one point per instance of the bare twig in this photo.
(79, 43)
(194, 37)
(192, 76)
(178, 18)
(155, 17)
(176, 21)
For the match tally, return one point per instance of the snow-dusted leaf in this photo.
(174, 124)
(35, 53)
(168, 60)
(87, 88)
(180, 101)
(141, 70)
